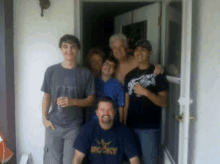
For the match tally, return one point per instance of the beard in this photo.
(106, 120)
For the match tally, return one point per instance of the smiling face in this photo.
(118, 49)
(69, 51)
(108, 68)
(96, 62)
(106, 114)
(142, 54)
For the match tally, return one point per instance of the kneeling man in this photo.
(104, 141)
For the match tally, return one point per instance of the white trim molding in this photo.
(168, 159)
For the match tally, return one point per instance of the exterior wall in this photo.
(35, 48)
(204, 143)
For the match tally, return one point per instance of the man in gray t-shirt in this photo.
(67, 89)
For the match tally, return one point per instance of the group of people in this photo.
(123, 94)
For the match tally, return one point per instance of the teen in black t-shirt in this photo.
(146, 93)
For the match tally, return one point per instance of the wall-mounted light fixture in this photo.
(44, 4)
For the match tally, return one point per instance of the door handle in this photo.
(181, 117)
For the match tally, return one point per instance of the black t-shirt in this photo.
(106, 146)
(143, 113)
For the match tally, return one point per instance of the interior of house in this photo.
(185, 39)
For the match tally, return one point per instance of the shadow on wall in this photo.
(26, 159)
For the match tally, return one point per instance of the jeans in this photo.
(149, 141)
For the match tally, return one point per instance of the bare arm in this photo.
(78, 157)
(126, 107)
(87, 102)
(160, 99)
(45, 108)
(121, 114)
(134, 160)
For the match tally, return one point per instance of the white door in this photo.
(176, 53)
(150, 14)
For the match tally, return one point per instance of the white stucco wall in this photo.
(205, 132)
(35, 48)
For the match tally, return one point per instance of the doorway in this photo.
(99, 22)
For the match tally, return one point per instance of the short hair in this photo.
(71, 39)
(105, 99)
(111, 59)
(93, 51)
(121, 37)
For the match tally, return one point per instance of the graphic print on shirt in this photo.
(103, 148)
(64, 91)
(145, 81)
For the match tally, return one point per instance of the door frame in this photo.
(184, 80)
(185, 57)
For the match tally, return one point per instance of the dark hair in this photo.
(111, 59)
(93, 51)
(105, 99)
(71, 39)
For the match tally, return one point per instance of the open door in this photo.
(142, 23)
(176, 58)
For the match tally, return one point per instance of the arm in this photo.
(45, 108)
(160, 99)
(78, 157)
(126, 107)
(134, 160)
(121, 114)
(66, 102)
(87, 102)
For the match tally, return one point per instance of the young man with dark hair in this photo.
(106, 85)
(105, 141)
(67, 88)
(145, 93)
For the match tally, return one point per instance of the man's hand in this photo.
(158, 69)
(65, 102)
(48, 124)
(139, 89)
(134, 160)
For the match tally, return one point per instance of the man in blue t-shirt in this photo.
(145, 93)
(105, 140)
(106, 85)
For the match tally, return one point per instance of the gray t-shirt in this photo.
(75, 83)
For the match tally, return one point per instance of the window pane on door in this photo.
(172, 126)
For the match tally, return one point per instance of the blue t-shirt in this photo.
(106, 146)
(111, 88)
